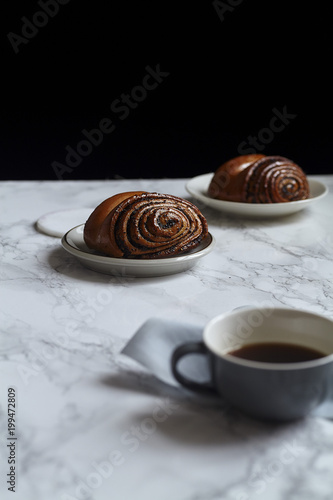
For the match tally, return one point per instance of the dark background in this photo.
(227, 72)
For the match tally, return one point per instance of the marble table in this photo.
(92, 423)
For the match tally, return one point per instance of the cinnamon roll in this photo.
(142, 225)
(259, 179)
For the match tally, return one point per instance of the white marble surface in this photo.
(91, 423)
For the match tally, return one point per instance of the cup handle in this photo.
(184, 350)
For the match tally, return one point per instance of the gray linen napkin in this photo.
(154, 342)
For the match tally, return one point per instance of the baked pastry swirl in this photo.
(142, 225)
(258, 178)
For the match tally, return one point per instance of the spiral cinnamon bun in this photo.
(142, 225)
(259, 179)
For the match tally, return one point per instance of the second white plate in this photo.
(198, 187)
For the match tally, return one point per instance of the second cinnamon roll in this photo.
(259, 179)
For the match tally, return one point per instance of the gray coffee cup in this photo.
(266, 390)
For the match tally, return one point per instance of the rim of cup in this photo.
(264, 365)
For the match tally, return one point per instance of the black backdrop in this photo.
(175, 88)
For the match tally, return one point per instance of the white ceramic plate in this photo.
(198, 187)
(74, 243)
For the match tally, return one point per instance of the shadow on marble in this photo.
(194, 420)
(190, 426)
(69, 266)
(140, 382)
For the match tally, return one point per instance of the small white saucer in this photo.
(73, 243)
(58, 223)
(198, 187)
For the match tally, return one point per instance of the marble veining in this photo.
(94, 425)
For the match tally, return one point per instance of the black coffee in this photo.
(277, 352)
